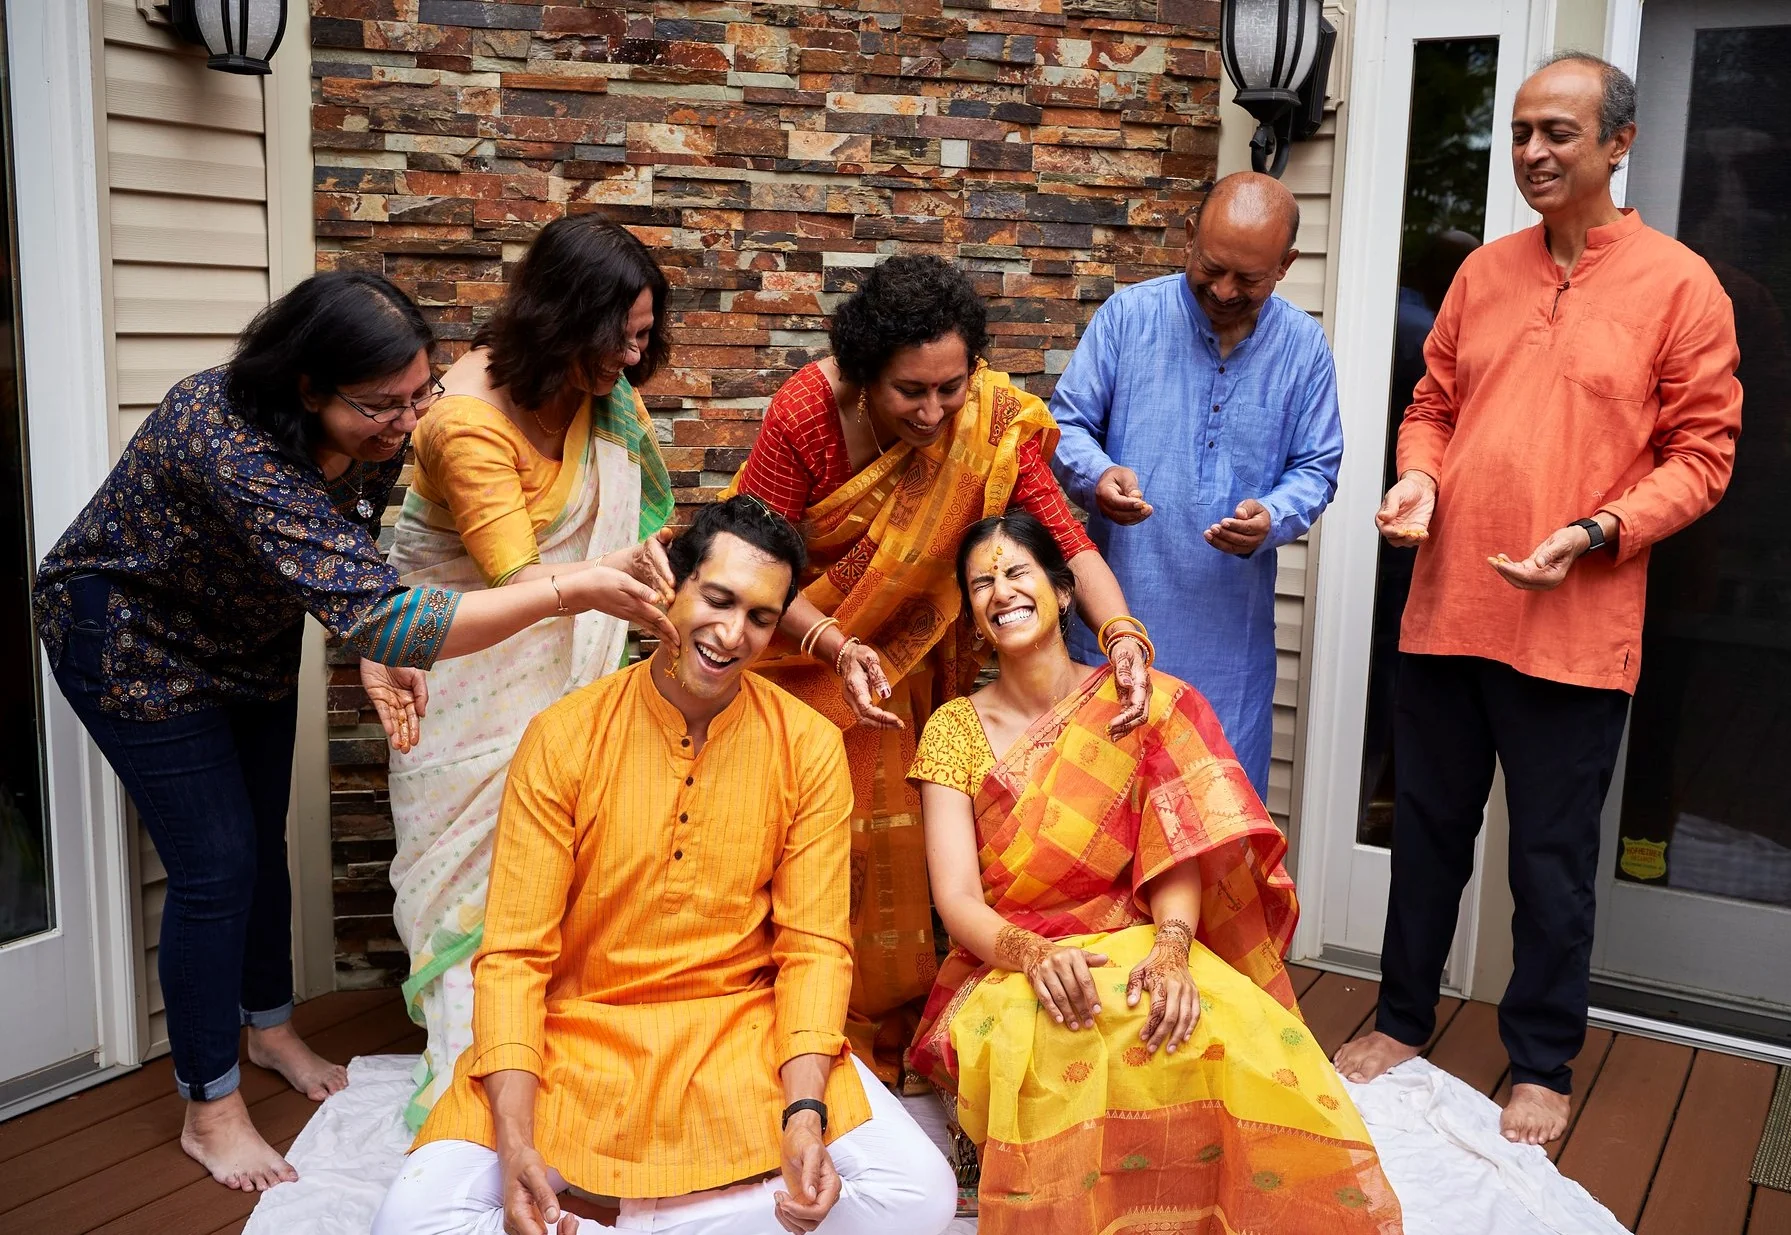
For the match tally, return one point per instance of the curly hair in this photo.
(332, 330)
(567, 309)
(905, 302)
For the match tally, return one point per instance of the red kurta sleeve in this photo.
(1038, 493)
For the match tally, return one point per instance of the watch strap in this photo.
(1593, 531)
(807, 1104)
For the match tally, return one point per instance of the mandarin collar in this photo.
(671, 721)
(1598, 240)
(1203, 325)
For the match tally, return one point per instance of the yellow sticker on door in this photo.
(1643, 859)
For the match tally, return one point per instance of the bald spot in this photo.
(1251, 202)
(1567, 89)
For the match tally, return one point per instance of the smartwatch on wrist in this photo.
(807, 1104)
(1594, 531)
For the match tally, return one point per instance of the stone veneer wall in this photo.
(768, 153)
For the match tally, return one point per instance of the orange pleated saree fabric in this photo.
(882, 556)
(1246, 1128)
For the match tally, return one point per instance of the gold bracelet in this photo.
(1101, 636)
(814, 633)
(840, 656)
(559, 601)
(1150, 649)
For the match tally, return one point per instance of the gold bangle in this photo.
(1101, 637)
(559, 601)
(814, 633)
(1150, 649)
(840, 656)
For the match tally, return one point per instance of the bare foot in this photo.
(1534, 1115)
(280, 1048)
(220, 1138)
(1370, 1055)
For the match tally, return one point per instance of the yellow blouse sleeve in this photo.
(472, 464)
(953, 749)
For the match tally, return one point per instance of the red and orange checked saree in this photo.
(1246, 1128)
(882, 560)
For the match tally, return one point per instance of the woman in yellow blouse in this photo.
(1114, 1024)
(539, 458)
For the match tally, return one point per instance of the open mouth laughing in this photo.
(1019, 615)
(712, 660)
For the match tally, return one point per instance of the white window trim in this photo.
(63, 343)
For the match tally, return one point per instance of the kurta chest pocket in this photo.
(1614, 357)
(1253, 439)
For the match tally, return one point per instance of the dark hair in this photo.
(751, 520)
(567, 308)
(334, 329)
(905, 302)
(1025, 530)
(1617, 105)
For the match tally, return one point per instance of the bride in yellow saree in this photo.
(1115, 1026)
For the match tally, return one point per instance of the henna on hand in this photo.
(1020, 950)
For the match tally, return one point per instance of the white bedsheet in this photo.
(1438, 1139)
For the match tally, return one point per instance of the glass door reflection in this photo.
(1448, 159)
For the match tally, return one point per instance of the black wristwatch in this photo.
(807, 1104)
(1594, 531)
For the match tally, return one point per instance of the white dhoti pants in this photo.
(892, 1179)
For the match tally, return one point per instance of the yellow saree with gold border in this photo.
(882, 560)
(1246, 1127)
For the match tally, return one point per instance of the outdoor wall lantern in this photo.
(242, 34)
(1278, 55)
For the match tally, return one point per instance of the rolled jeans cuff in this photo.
(269, 1018)
(211, 1091)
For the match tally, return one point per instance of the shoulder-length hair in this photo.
(567, 309)
(333, 330)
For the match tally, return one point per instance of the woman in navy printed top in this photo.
(172, 611)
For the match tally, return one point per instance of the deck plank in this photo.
(46, 1168)
(156, 1079)
(1470, 1050)
(1702, 1181)
(1302, 978)
(101, 1192)
(1772, 1211)
(1335, 1007)
(1617, 1143)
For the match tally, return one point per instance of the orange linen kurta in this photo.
(1549, 399)
(664, 931)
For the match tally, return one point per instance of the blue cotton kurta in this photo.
(1146, 389)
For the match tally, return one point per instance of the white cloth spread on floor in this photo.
(1438, 1139)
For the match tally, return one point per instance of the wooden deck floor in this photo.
(1662, 1134)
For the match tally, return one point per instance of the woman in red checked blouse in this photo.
(883, 453)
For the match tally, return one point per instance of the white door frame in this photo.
(62, 330)
(1343, 885)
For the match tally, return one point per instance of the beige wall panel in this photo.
(159, 158)
(122, 25)
(185, 300)
(176, 89)
(151, 227)
(149, 364)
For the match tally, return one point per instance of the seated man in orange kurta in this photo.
(659, 1003)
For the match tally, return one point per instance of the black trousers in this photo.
(1558, 746)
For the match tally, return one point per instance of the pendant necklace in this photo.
(362, 507)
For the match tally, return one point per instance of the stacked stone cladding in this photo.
(769, 154)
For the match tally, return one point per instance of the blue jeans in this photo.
(212, 788)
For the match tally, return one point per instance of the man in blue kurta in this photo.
(1201, 433)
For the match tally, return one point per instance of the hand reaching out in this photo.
(400, 695)
(865, 686)
(1118, 497)
(1131, 673)
(646, 563)
(1245, 532)
(1547, 566)
(1405, 513)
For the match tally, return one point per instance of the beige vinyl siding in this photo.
(1313, 172)
(186, 180)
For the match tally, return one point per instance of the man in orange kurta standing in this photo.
(1580, 397)
(660, 1001)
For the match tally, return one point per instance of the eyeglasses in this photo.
(387, 415)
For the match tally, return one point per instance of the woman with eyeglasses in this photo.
(172, 612)
(540, 459)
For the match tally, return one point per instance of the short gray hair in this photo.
(1617, 108)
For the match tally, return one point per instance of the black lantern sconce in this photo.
(1278, 56)
(241, 34)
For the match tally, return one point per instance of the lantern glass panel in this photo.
(1268, 54)
(220, 22)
